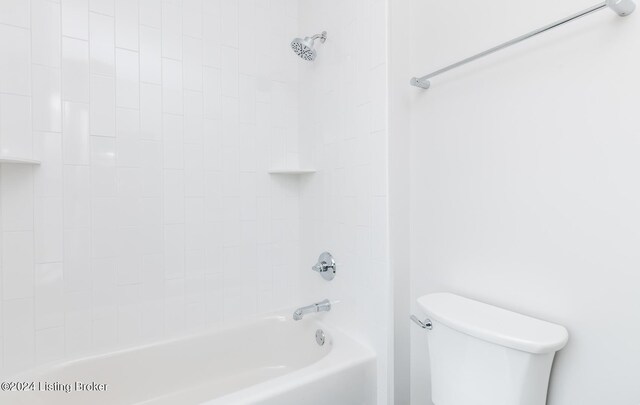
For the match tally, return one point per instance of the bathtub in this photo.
(271, 361)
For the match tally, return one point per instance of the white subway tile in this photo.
(102, 44)
(174, 307)
(247, 32)
(17, 265)
(104, 281)
(45, 32)
(247, 99)
(129, 243)
(15, 65)
(151, 13)
(16, 138)
(75, 70)
(16, 198)
(127, 79)
(103, 181)
(103, 151)
(48, 179)
(104, 332)
(171, 86)
(151, 164)
(77, 197)
(19, 334)
(129, 184)
(195, 261)
(174, 253)
(102, 6)
(75, 133)
(150, 111)
(77, 260)
(151, 240)
(75, 18)
(173, 141)
(127, 124)
(211, 39)
(15, 12)
(49, 345)
(150, 55)
(152, 208)
(48, 229)
(211, 93)
(128, 268)
(127, 24)
(192, 63)
(194, 170)
(214, 298)
(78, 325)
(171, 30)
(104, 241)
(193, 117)
(229, 72)
(229, 19)
(192, 18)
(104, 213)
(173, 196)
(229, 126)
(49, 300)
(46, 99)
(103, 109)
(129, 315)
(152, 323)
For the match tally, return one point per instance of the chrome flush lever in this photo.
(326, 266)
(426, 324)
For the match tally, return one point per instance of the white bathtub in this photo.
(272, 361)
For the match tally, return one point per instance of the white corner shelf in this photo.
(291, 171)
(18, 160)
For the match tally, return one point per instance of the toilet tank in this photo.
(484, 355)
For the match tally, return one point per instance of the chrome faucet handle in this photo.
(326, 266)
(426, 324)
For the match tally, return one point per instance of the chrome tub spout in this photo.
(322, 306)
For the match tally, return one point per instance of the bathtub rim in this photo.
(358, 352)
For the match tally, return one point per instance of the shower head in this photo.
(304, 47)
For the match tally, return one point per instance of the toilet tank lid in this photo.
(493, 324)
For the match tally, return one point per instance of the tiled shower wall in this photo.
(343, 99)
(151, 214)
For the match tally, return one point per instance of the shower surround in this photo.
(152, 214)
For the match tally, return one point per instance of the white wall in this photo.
(524, 173)
(343, 134)
(151, 214)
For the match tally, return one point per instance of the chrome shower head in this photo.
(304, 47)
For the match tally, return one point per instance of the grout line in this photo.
(64, 293)
(162, 180)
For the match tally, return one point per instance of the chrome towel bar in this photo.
(621, 7)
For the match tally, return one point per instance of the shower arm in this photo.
(321, 36)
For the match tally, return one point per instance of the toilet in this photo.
(484, 355)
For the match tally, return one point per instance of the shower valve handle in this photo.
(326, 266)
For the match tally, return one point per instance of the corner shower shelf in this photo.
(291, 171)
(18, 160)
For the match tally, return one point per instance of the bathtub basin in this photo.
(273, 360)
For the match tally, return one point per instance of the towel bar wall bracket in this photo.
(621, 7)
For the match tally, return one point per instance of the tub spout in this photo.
(322, 306)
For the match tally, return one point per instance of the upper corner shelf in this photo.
(291, 171)
(18, 160)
